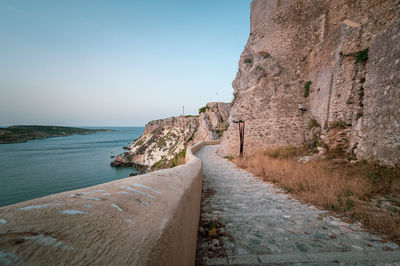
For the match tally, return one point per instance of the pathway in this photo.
(247, 221)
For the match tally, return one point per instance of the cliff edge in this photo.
(164, 141)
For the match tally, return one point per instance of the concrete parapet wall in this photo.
(149, 219)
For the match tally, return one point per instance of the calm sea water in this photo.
(41, 167)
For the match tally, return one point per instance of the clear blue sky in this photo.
(115, 62)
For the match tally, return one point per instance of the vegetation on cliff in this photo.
(15, 134)
(204, 109)
(362, 55)
(179, 159)
(307, 89)
(312, 124)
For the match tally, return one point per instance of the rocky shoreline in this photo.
(121, 161)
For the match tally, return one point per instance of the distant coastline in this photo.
(23, 133)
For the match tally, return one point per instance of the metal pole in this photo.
(241, 135)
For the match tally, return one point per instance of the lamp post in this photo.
(241, 134)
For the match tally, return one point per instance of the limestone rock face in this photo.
(213, 121)
(163, 139)
(316, 42)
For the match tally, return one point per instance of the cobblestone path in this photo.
(247, 221)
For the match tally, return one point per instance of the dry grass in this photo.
(346, 189)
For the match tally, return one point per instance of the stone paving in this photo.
(247, 221)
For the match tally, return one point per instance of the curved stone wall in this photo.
(149, 219)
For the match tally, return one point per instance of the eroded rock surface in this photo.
(164, 141)
(303, 61)
(213, 122)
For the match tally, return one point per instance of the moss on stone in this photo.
(259, 68)
(339, 124)
(307, 88)
(313, 123)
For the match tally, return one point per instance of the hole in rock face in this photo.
(248, 60)
(19, 241)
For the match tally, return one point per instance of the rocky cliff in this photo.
(320, 72)
(212, 121)
(163, 142)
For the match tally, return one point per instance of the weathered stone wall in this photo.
(292, 42)
(149, 219)
(379, 132)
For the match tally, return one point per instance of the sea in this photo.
(46, 166)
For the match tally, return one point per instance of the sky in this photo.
(116, 62)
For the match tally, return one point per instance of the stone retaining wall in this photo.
(149, 219)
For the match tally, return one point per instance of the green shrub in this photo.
(285, 152)
(221, 128)
(138, 143)
(161, 164)
(179, 158)
(191, 137)
(161, 143)
(307, 89)
(313, 123)
(204, 109)
(259, 68)
(220, 132)
(362, 55)
(340, 124)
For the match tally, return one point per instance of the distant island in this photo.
(16, 134)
